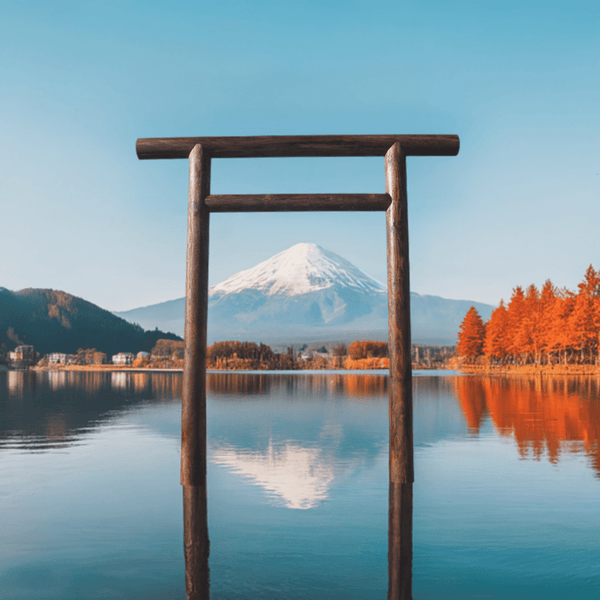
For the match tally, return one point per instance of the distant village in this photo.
(25, 356)
(230, 355)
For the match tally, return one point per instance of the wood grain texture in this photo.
(196, 545)
(193, 407)
(401, 471)
(400, 386)
(297, 202)
(306, 145)
(400, 550)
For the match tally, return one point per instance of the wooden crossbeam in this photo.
(297, 202)
(267, 146)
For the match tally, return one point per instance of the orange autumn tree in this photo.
(471, 336)
(548, 297)
(548, 326)
(367, 349)
(584, 321)
(560, 334)
(516, 313)
(496, 335)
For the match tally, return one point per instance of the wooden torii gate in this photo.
(200, 151)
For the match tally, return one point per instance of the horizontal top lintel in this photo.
(297, 202)
(298, 146)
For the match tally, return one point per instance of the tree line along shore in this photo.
(246, 356)
(552, 330)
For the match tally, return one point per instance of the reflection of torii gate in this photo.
(200, 151)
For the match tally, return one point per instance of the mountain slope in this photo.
(54, 321)
(301, 269)
(307, 293)
(304, 286)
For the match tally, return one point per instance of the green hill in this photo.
(54, 321)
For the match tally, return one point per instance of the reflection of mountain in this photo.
(553, 415)
(298, 433)
(300, 476)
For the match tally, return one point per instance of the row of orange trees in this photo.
(547, 326)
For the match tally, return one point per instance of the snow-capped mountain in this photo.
(301, 269)
(304, 286)
(304, 294)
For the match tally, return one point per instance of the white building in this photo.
(123, 358)
(56, 358)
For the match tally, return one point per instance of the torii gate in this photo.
(200, 151)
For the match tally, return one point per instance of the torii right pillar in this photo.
(401, 468)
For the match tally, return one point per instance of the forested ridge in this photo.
(55, 321)
(550, 326)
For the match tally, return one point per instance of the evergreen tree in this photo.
(516, 310)
(496, 331)
(547, 300)
(583, 320)
(471, 336)
(561, 334)
(527, 338)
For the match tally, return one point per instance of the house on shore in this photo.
(23, 356)
(59, 358)
(123, 358)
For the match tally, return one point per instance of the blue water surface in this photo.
(506, 493)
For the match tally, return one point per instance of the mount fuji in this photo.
(307, 294)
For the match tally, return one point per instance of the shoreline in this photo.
(518, 370)
(117, 368)
(107, 368)
(530, 370)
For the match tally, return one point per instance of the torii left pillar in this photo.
(193, 416)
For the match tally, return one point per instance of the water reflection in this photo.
(549, 416)
(18, 382)
(546, 416)
(57, 379)
(45, 410)
(300, 476)
(289, 441)
(108, 516)
(334, 384)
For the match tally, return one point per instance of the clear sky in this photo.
(80, 81)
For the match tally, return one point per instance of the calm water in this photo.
(506, 497)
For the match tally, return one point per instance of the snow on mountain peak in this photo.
(301, 269)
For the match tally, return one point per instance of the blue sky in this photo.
(81, 81)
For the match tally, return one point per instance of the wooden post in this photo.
(193, 406)
(401, 471)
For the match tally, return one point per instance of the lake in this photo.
(506, 492)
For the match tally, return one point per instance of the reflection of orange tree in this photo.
(553, 415)
(237, 383)
(361, 386)
(470, 396)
